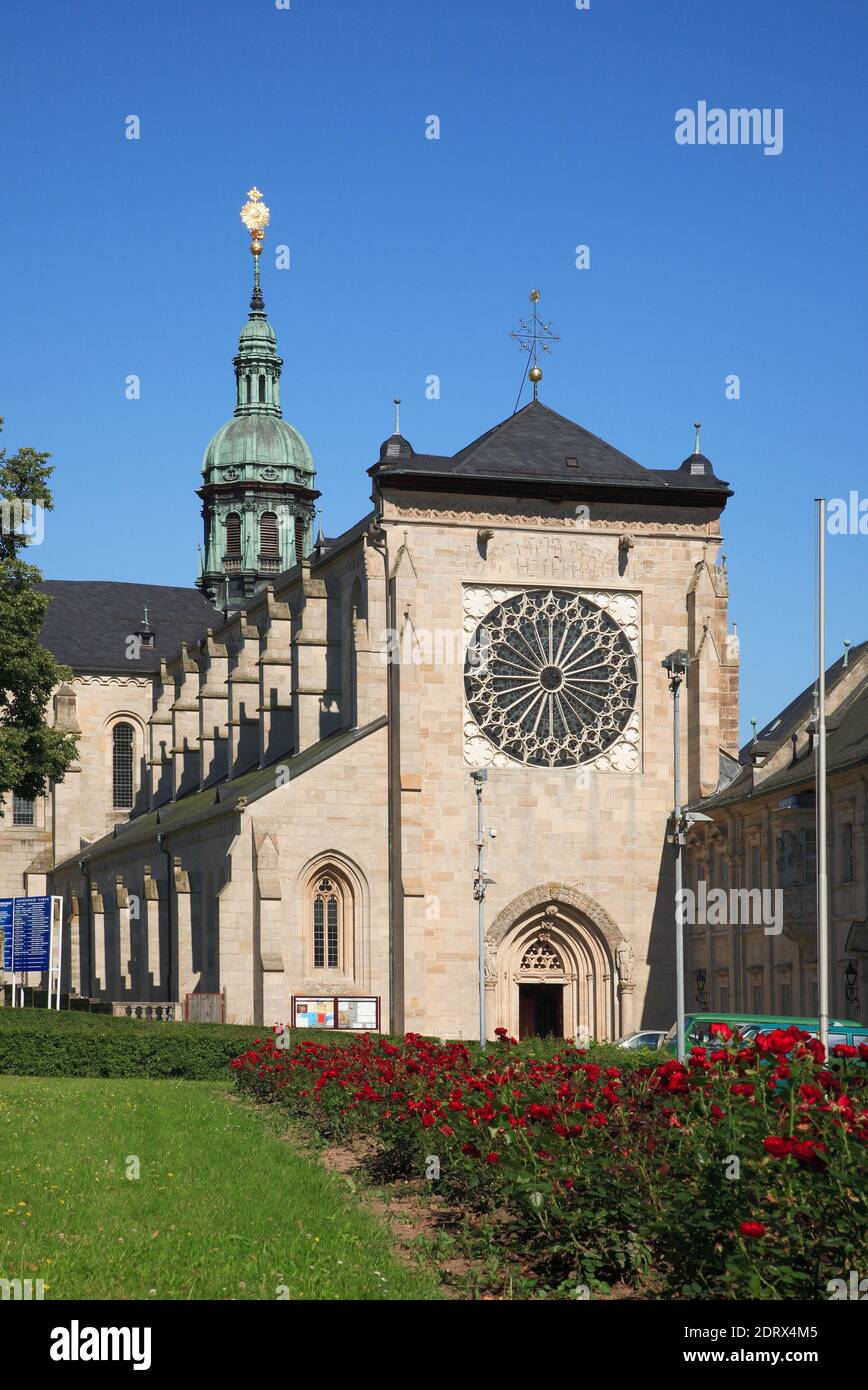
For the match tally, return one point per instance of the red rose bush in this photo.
(741, 1174)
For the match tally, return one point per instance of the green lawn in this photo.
(223, 1208)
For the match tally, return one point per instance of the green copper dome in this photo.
(255, 331)
(266, 441)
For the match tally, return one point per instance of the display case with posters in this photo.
(317, 1011)
(358, 1014)
(354, 1013)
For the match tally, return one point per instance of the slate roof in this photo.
(781, 725)
(88, 622)
(223, 797)
(536, 449)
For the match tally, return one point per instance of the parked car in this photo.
(700, 1029)
(646, 1037)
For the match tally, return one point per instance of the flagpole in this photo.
(822, 883)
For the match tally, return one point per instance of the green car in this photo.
(699, 1029)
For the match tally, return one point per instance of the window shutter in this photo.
(269, 542)
(233, 534)
(300, 531)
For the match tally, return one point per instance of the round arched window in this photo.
(122, 767)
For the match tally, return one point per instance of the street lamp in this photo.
(700, 978)
(675, 664)
(480, 883)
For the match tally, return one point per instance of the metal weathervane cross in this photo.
(534, 337)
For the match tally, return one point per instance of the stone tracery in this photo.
(557, 682)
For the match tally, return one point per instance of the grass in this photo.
(223, 1207)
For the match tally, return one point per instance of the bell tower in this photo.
(258, 479)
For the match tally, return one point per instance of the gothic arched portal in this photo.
(555, 944)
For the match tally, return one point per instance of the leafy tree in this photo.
(30, 751)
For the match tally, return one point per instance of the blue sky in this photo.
(412, 257)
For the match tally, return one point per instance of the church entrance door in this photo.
(540, 1011)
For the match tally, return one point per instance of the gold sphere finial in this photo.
(534, 296)
(535, 374)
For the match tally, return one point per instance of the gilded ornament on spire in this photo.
(535, 338)
(255, 216)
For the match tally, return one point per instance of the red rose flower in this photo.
(809, 1153)
(777, 1146)
(810, 1094)
(752, 1229)
(492, 1158)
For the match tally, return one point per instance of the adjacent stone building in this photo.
(762, 837)
(303, 734)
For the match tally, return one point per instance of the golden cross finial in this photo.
(534, 337)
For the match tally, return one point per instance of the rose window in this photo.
(550, 678)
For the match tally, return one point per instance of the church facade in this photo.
(303, 737)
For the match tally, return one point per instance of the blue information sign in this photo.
(30, 926)
(5, 921)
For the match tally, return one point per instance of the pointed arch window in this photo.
(122, 767)
(233, 534)
(269, 539)
(328, 922)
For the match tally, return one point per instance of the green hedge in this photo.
(42, 1042)
(604, 1054)
(36, 1042)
